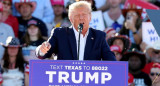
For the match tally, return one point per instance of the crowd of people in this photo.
(26, 24)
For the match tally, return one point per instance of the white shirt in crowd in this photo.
(13, 77)
(109, 21)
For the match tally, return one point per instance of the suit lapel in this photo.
(72, 41)
(89, 44)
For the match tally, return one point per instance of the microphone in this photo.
(80, 27)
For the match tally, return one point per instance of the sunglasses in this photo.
(152, 74)
(156, 52)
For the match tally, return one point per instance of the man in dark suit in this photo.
(64, 41)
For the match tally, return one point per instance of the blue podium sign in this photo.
(78, 73)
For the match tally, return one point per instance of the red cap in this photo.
(115, 48)
(57, 2)
(156, 65)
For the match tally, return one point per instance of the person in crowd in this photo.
(43, 10)
(31, 39)
(155, 74)
(132, 25)
(26, 9)
(93, 4)
(113, 17)
(13, 64)
(122, 41)
(153, 56)
(117, 51)
(7, 16)
(64, 41)
(137, 61)
(5, 31)
(61, 17)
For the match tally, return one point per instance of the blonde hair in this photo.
(77, 5)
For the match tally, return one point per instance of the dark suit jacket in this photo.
(63, 43)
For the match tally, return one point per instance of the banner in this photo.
(78, 73)
(97, 21)
(154, 17)
(149, 34)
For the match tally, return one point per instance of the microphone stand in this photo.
(80, 27)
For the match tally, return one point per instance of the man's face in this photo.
(115, 3)
(134, 63)
(154, 75)
(81, 15)
(6, 5)
(25, 10)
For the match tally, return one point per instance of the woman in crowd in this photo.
(132, 25)
(31, 39)
(13, 64)
(7, 16)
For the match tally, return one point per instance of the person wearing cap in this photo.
(5, 31)
(26, 8)
(61, 17)
(13, 64)
(113, 17)
(31, 39)
(155, 74)
(121, 40)
(153, 56)
(117, 51)
(137, 61)
(7, 16)
(43, 10)
(132, 25)
(64, 41)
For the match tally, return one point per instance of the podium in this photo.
(78, 73)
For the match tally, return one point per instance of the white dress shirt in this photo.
(82, 43)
